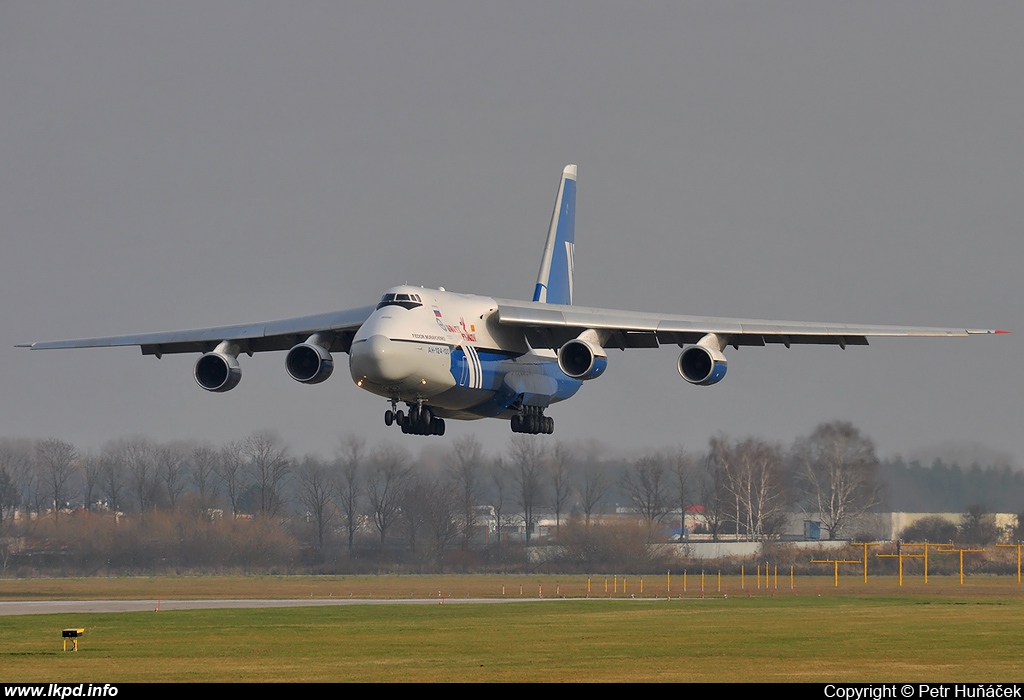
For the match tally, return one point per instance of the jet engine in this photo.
(309, 363)
(701, 365)
(582, 359)
(217, 371)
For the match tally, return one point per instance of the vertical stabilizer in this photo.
(554, 281)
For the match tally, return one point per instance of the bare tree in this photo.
(430, 514)
(16, 462)
(230, 467)
(465, 468)
(837, 471)
(646, 485)
(714, 497)
(268, 464)
(57, 461)
(681, 465)
(756, 477)
(386, 486)
(172, 467)
(527, 458)
(8, 496)
(558, 469)
(592, 491)
(138, 455)
(203, 459)
(348, 485)
(92, 473)
(500, 478)
(316, 491)
(113, 476)
(440, 516)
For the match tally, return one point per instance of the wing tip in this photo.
(1002, 332)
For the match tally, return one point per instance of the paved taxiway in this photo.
(48, 607)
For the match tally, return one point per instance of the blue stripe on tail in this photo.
(554, 282)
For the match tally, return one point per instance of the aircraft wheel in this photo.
(425, 418)
(389, 417)
(517, 423)
(400, 417)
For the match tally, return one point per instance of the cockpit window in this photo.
(406, 301)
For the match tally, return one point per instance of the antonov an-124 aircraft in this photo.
(445, 355)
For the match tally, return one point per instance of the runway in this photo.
(58, 607)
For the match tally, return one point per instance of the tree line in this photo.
(254, 501)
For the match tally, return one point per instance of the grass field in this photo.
(858, 632)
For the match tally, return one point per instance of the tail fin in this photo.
(554, 281)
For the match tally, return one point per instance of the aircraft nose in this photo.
(378, 359)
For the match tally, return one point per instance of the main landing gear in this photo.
(533, 421)
(420, 421)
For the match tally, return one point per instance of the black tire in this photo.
(389, 417)
(400, 417)
(517, 423)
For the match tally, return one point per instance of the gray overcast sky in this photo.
(177, 165)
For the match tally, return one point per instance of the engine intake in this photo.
(581, 359)
(217, 372)
(309, 363)
(701, 365)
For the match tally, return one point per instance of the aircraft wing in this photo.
(552, 325)
(253, 337)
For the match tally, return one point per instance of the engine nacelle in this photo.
(582, 359)
(217, 372)
(701, 365)
(309, 363)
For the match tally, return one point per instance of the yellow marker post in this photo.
(835, 563)
(865, 545)
(72, 633)
(1018, 547)
(962, 552)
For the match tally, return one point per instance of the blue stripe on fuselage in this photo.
(507, 377)
(484, 371)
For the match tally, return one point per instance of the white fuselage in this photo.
(446, 350)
